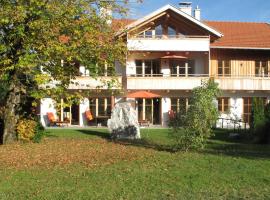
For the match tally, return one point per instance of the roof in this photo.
(143, 94)
(246, 35)
(176, 10)
(120, 24)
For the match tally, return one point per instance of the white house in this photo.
(171, 51)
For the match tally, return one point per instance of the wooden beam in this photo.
(147, 22)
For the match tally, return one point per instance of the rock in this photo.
(124, 123)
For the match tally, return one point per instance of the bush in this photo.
(260, 121)
(29, 130)
(192, 130)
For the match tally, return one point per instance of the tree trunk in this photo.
(11, 113)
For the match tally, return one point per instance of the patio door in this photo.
(156, 111)
(149, 109)
(75, 114)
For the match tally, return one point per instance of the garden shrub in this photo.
(261, 124)
(192, 130)
(29, 130)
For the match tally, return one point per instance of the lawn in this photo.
(85, 164)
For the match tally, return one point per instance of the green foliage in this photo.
(42, 42)
(258, 117)
(192, 130)
(260, 121)
(39, 132)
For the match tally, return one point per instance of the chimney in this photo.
(186, 7)
(197, 13)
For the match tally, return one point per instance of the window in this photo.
(148, 67)
(146, 34)
(182, 67)
(171, 32)
(159, 31)
(224, 68)
(247, 101)
(223, 104)
(140, 109)
(92, 106)
(179, 104)
(191, 67)
(261, 68)
(148, 109)
(149, 34)
(100, 106)
(247, 109)
(139, 70)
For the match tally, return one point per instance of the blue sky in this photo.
(219, 10)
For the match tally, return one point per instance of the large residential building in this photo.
(171, 51)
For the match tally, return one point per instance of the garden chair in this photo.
(89, 115)
(51, 118)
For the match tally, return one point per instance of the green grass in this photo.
(226, 169)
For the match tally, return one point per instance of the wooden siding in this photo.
(242, 61)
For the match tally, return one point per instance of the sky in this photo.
(218, 10)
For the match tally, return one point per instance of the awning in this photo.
(173, 57)
(143, 94)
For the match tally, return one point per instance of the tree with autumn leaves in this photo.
(42, 40)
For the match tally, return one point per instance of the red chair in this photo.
(171, 114)
(89, 115)
(51, 118)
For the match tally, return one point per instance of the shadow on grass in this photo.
(145, 143)
(240, 146)
(101, 134)
(250, 151)
(220, 144)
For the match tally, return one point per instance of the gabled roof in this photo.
(177, 11)
(242, 35)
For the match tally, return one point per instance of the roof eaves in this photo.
(162, 9)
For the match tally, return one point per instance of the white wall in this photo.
(165, 68)
(84, 106)
(180, 44)
(235, 113)
(166, 106)
(46, 105)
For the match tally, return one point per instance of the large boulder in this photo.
(124, 123)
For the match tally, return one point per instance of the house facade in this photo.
(171, 51)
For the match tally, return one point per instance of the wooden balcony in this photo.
(244, 83)
(188, 83)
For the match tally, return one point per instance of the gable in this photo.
(175, 17)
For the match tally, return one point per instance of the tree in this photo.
(53, 35)
(196, 125)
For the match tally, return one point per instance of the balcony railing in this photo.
(104, 82)
(168, 36)
(189, 81)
